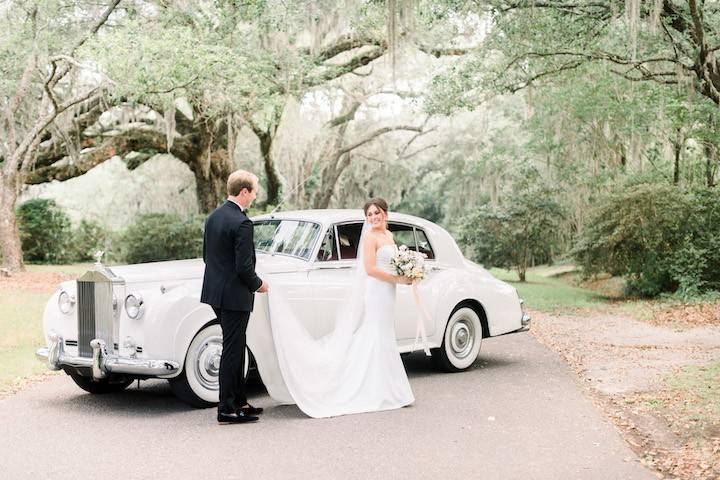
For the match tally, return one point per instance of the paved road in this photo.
(519, 414)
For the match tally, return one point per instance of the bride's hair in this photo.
(378, 202)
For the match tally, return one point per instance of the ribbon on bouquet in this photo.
(424, 316)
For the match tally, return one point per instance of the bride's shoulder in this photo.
(370, 239)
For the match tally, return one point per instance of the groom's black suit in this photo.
(229, 284)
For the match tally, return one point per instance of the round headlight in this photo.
(134, 306)
(65, 302)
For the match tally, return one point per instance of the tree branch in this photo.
(375, 134)
(438, 52)
(134, 140)
(93, 30)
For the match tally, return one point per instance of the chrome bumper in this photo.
(525, 323)
(103, 363)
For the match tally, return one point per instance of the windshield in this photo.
(287, 237)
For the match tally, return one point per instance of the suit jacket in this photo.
(229, 281)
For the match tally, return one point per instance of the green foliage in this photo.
(662, 238)
(518, 233)
(87, 238)
(160, 236)
(44, 231)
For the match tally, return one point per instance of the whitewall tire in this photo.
(461, 342)
(198, 385)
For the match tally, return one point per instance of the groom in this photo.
(228, 287)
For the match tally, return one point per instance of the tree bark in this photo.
(677, 149)
(711, 161)
(9, 233)
(272, 175)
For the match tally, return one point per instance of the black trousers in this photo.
(232, 375)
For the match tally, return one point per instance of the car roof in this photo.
(442, 242)
(330, 216)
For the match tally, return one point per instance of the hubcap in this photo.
(462, 337)
(207, 362)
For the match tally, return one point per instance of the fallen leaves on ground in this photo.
(691, 315)
(662, 421)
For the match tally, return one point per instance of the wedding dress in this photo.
(356, 368)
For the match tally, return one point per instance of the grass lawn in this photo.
(698, 389)
(550, 294)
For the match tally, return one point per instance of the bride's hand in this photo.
(403, 280)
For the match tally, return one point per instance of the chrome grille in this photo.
(96, 310)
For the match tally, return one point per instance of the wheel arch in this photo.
(478, 308)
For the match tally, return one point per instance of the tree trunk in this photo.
(271, 173)
(330, 177)
(9, 233)
(211, 188)
(521, 273)
(677, 148)
(710, 163)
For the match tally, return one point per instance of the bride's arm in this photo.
(371, 268)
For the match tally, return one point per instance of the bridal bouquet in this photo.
(409, 263)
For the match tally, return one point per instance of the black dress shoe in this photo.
(238, 417)
(249, 410)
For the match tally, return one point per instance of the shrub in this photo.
(44, 231)
(662, 238)
(516, 234)
(88, 238)
(159, 236)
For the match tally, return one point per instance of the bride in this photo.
(357, 367)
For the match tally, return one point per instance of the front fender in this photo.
(179, 317)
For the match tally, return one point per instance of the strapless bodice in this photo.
(383, 256)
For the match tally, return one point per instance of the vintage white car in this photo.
(115, 325)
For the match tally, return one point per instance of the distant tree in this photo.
(517, 233)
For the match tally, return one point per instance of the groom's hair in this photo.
(240, 179)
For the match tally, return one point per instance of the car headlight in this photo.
(65, 302)
(134, 306)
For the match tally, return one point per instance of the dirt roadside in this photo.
(627, 368)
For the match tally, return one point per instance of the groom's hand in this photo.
(263, 288)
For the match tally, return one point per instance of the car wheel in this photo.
(461, 342)
(105, 385)
(199, 383)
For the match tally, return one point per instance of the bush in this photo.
(88, 238)
(159, 236)
(516, 234)
(662, 238)
(44, 231)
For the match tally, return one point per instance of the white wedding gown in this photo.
(356, 368)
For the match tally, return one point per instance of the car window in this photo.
(424, 244)
(328, 249)
(349, 239)
(288, 237)
(403, 235)
(413, 237)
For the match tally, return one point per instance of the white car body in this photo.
(176, 337)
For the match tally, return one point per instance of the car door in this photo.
(331, 275)
(407, 311)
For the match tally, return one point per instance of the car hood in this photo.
(179, 270)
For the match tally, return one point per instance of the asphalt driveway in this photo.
(519, 414)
